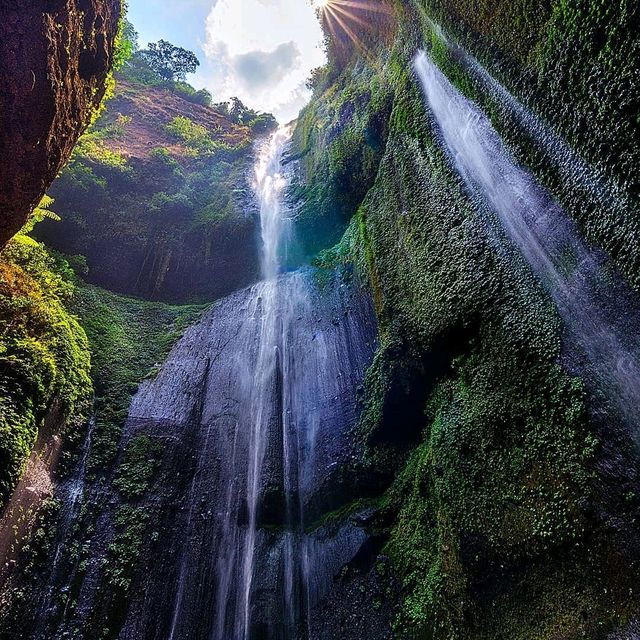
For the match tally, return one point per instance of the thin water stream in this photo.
(598, 310)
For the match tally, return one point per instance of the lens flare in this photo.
(346, 17)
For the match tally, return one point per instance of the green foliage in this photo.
(186, 91)
(168, 62)
(185, 205)
(135, 473)
(40, 213)
(126, 41)
(124, 552)
(193, 135)
(91, 147)
(263, 123)
(339, 139)
(127, 338)
(44, 356)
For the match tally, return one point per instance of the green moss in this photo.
(574, 75)
(44, 355)
(128, 338)
(131, 527)
(338, 141)
(195, 136)
(342, 514)
(136, 471)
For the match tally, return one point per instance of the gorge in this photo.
(371, 374)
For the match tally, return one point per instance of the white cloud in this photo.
(262, 51)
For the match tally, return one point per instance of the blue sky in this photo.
(260, 50)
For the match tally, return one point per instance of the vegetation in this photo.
(44, 355)
(168, 62)
(194, 135)
(485, 440)
(128, 339)
(137, 468)
(167, 193)
(493, 513)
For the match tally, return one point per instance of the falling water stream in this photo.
(254, 408)
(598, 310)
(278, 367)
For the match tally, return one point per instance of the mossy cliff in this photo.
(44, 354)
(63, 53)
(160, 186)
(508, 505)
(56, 57)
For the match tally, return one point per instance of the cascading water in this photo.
(597, 309)
(254, 409)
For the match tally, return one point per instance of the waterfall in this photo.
(597, 308)
(254, 408)
(279, 365)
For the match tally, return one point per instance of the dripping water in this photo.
(596, 307)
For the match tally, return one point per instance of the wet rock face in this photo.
(55, 55)
(168, 558)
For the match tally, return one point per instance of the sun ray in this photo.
(361, 4)
(351, 33)
(351, 16)
(340, 15)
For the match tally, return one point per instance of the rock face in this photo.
(56, 56)
(230, 393)
(174, 213)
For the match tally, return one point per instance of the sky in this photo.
(259, 50)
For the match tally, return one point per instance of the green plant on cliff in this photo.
(127, 338)
(44, 354)
(172, 212)
(136, 471)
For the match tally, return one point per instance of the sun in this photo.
(348, 17)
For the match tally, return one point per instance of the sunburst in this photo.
(342, 15)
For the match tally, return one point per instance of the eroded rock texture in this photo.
(55, 56)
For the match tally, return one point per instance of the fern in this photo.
(41, 212)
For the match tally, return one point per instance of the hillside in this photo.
(156, 198)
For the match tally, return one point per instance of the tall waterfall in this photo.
(599, 311)
(254, 409)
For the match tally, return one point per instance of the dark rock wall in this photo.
(56, 56)
(154, 217)
(154, 548)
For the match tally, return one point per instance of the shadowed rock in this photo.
(55, 59)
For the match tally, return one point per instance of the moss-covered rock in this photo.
(497, 518)
(44, 353)
(160, 187)
(56, 59)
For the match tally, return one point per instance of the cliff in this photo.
(160, 187)
(55, 60)
(507, 458)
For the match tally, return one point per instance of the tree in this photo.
(126, 44)
(240, 113)
(169, 62)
